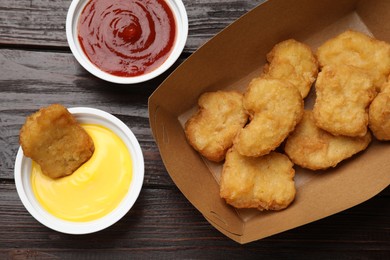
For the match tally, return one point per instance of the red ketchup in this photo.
(127, 37)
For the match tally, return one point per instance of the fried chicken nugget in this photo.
(343, 96)
(311, 147)
(265, 182)
(359, 50)
(53, 139)
(379, 114)
(212, 129)
(295, 62)
(275, 107)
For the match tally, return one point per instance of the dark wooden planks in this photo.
(42, 22)
(163, 223)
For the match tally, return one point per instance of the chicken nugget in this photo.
(311, 147)
(379, 114)
(265, 182)
(359, 50)
(274, 107)
(343, 96)
(212, 129)
(293, 61)
(54, 140)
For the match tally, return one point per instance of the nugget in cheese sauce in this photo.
(53, 138)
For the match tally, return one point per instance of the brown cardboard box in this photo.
(229, 61)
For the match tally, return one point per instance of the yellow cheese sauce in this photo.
(94, 189)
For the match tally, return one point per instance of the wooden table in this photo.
(38, 69)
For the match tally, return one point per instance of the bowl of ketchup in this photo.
(126, 41)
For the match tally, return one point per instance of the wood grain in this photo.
(41, 23)
(158, 227)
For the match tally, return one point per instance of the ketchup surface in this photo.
(127, 37)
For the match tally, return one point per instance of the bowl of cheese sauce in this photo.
(126, 41)
(98, 193)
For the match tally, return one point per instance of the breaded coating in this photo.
(359, 50)
(343, 96)
(265, 182)
(274, 107)
(53, 139)
(379, 114)
(295, 62)
(212, 129)
(313, 148)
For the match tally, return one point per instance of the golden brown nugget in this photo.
(359, 50)
(379, 114)
(313, 148)
(53, 139)
(343, 96)
(274, 107)
(212, 129)
(265, 182)
(295, 62)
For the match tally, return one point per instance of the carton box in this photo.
(229, 61)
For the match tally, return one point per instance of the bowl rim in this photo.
(22, 174)
(181, 18)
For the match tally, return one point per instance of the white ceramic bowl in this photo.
(24, 188)
(74, 12)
